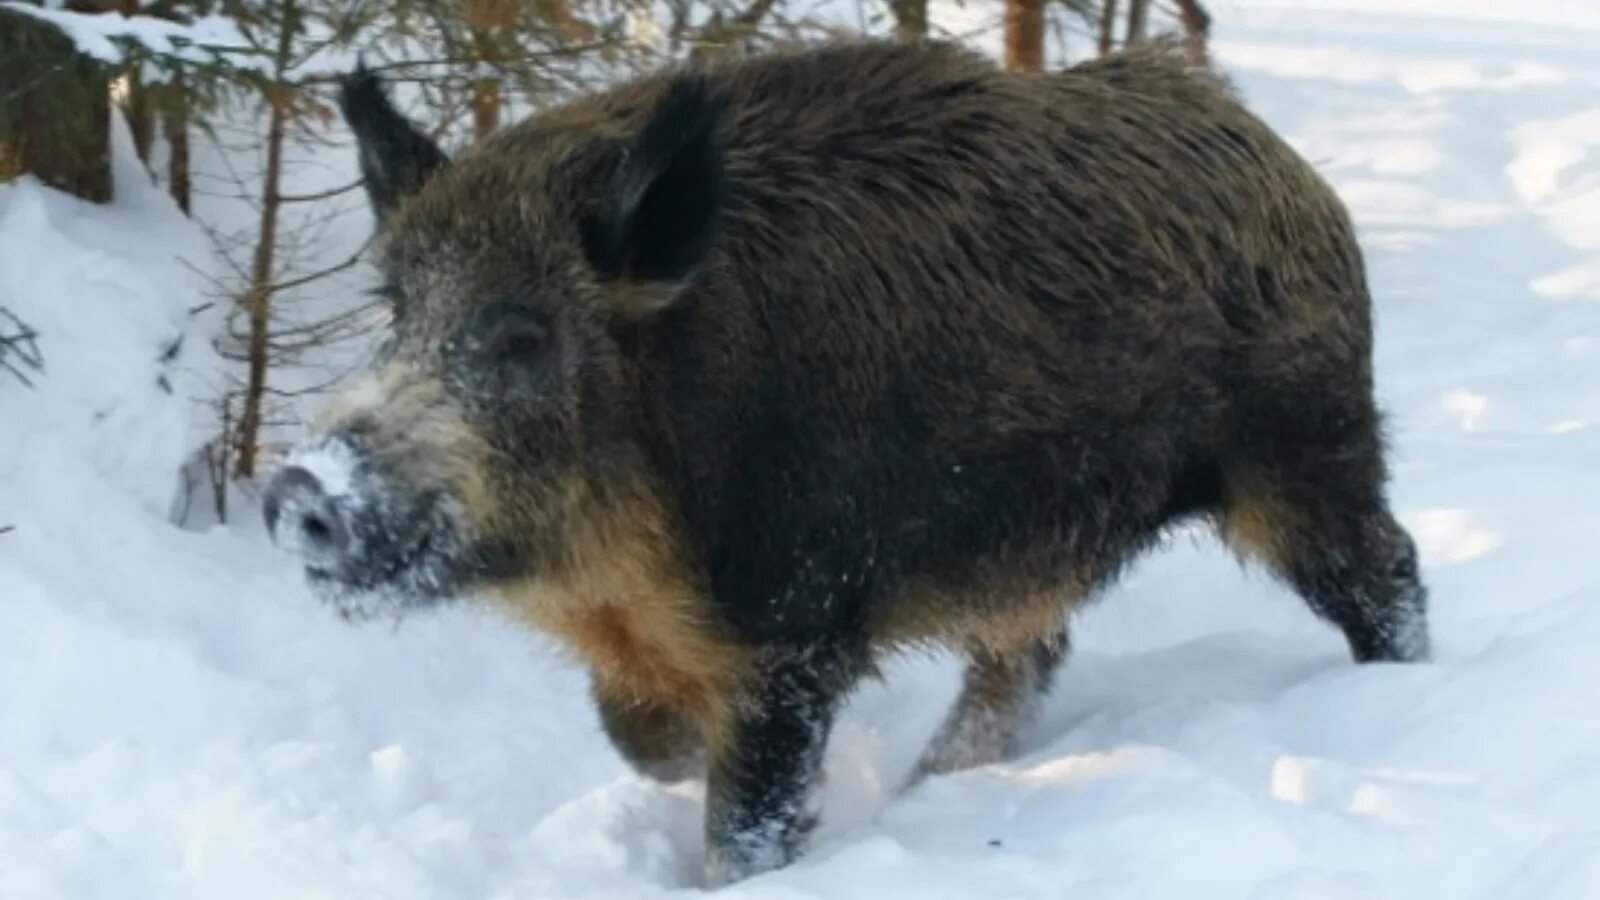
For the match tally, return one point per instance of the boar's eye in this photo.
(515, 338)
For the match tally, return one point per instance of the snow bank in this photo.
(109, 289)
(179, 720)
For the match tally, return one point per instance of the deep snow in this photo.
(179, 719)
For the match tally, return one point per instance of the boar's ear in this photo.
(658, 212)
(396, 158)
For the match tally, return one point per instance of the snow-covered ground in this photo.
(178, 719)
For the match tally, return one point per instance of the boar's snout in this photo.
(303, 519)
(373, 538)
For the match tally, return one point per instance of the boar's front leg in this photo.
(766, 766)
(657, 741)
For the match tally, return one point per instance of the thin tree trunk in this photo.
(910, 19)
(1024, 35)
(141, 115)
(485, 108)
(485, 91)
(486, 21)
(1108, 27)
(1138, 20)
(1196, 29)
(175, 125)
(217, 460)
(258, 298)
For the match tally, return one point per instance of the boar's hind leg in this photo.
(1363, 577)
(1328, 532)
(1000, 694)
(767, 762)
(657, 741)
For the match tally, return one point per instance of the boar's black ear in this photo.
(658, 214)
(396, 158)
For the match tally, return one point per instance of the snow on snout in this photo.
(346, 493)
(335, 465)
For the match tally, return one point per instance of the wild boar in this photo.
(739, 376)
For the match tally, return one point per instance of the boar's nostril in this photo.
(316, 528)
(322, 530)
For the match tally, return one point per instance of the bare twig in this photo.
(19, 342)
(1107, 37)
(303, 280)
(321, 195)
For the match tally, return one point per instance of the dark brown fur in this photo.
(870, 346)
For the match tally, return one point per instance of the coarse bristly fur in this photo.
(736, 377)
